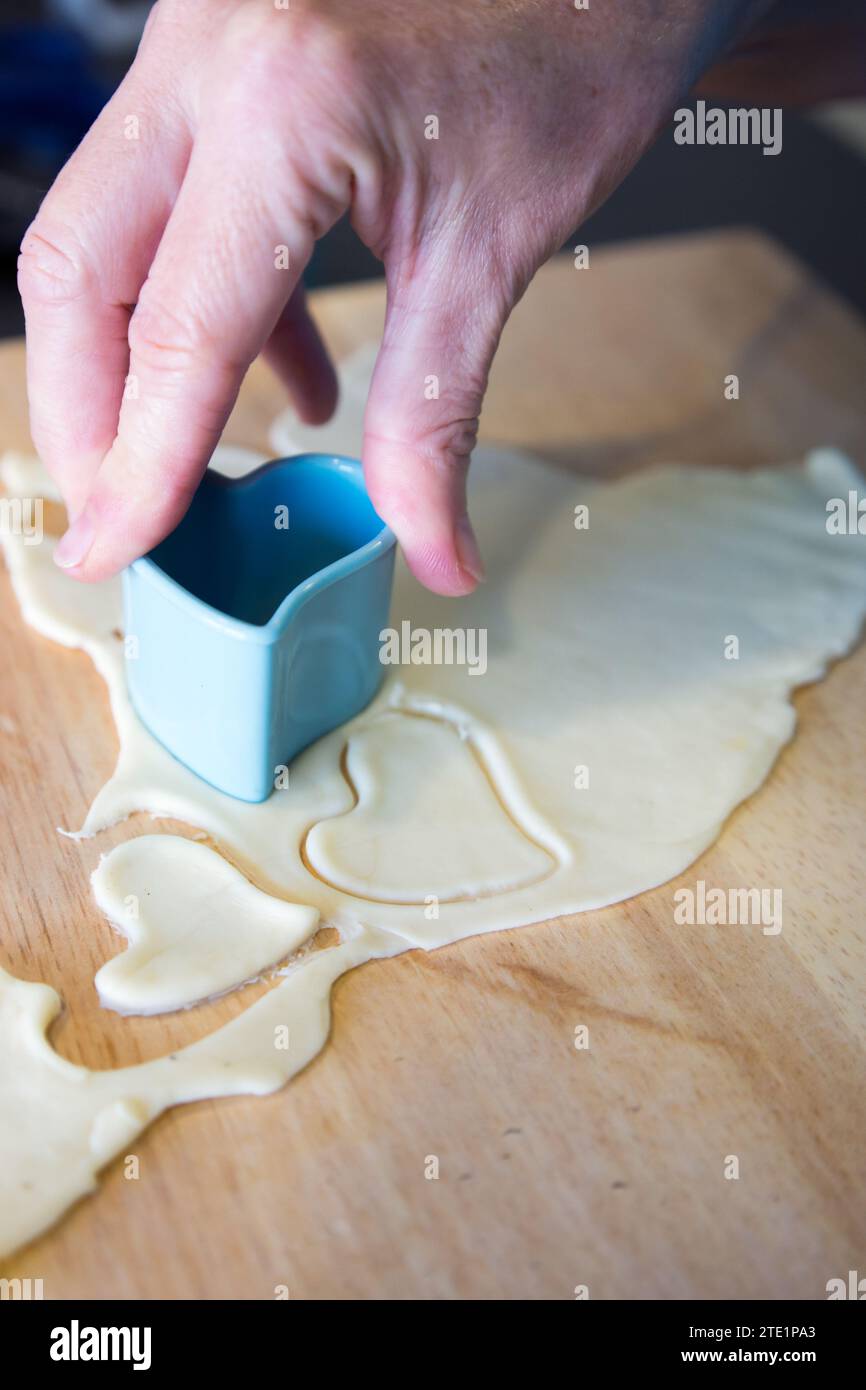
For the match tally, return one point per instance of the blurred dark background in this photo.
(61, 59)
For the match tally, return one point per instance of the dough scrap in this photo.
(61, 1123)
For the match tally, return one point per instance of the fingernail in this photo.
(467, 550)
(73, 546)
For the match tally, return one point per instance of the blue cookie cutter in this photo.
(257, 621)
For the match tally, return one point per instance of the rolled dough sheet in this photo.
(596, 757)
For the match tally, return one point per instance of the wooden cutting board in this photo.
(558, 1167)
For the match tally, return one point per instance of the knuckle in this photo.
(293, 50)
(165, 342)
(160, 11)
(52, 266)
(441, 445)
(317, 69)
(447, 443)
(334, 48)
(255, 49)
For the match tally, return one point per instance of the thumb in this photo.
(421, 420)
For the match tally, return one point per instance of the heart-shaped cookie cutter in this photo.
(253, 629)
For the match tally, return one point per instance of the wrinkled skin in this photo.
(155, 259)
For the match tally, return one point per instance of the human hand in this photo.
(467, 139)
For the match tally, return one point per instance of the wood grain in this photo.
(558, 1167)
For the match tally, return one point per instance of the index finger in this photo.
(227, 263)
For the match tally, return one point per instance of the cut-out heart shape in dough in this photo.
(427, 823)
(195, 925)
